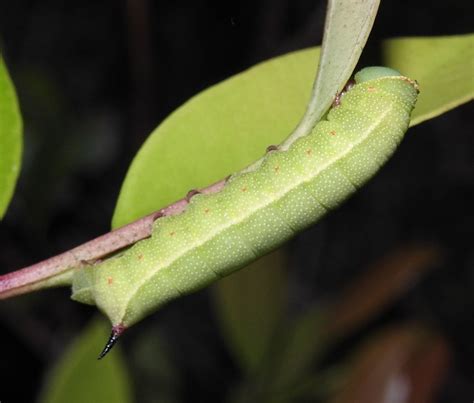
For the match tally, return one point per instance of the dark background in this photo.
(95, 77)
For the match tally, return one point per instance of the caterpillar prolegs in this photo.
(257, 210)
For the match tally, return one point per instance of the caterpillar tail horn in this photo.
(114, 336)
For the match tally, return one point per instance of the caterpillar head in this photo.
(372, 73)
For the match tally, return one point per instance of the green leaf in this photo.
(80, 377)
(296, 348)
(10, 139)
(249, 305)
(157, 378)
(317, 386)
(443, 66)
(290, 353)
(220, 131)
(347, 27)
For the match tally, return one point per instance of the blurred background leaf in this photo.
(379, 286)
(427, 369)
(443, 67)
(250, 305)
(10, 138)
(153, 367)
(295, 349)
(79, 377)
(305, 338)
(380, 368)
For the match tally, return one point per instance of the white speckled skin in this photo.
(256, 211)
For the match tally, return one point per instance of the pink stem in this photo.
(21, 281)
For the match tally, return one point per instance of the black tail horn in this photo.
(114, 336)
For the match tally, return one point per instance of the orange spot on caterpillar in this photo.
(276, 169)
(140, 257)
(110, 280)
(206, 210)
(244, 189)
(332, 132)
(371, 89)
(309, 151)
(172, 233)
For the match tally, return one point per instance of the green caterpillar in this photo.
(257, 210)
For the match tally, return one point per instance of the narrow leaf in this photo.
(10, 139)
(347, 27)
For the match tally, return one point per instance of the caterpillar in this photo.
(257, 210)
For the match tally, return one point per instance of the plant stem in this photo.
(44, 273)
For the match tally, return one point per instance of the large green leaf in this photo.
(79, 377)
(443, 66)
(221, 130)
(10, 139)
(229, 125)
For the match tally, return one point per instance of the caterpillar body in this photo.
(257, 210)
